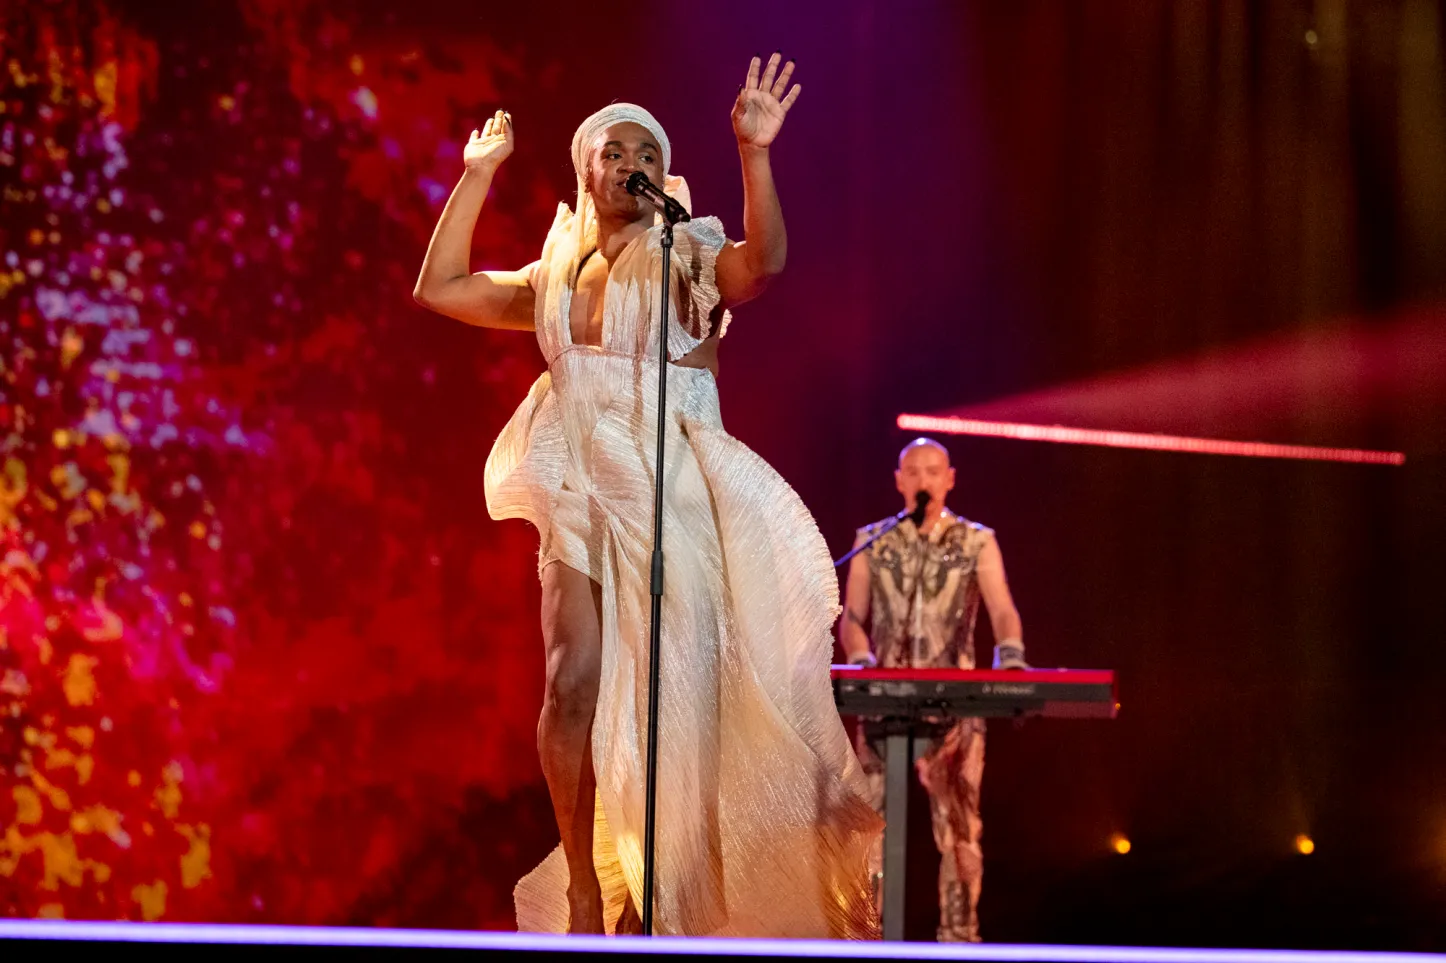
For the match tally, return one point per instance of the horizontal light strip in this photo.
(701, 946)
(1134, 439)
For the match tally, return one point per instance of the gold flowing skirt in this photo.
(763, 826)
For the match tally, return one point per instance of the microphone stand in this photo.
(921, 502)
(656, 580)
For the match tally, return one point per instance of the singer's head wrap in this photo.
(585, 139)
(583, 228)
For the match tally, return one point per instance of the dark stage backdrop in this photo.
(264, 658)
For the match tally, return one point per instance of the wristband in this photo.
(1009, 654)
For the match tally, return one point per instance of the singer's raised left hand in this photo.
(763, 101)
(745, 267)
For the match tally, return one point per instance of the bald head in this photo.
(924, 466)
(918, 443)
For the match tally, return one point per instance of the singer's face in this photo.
(925, 468)
(624, 149)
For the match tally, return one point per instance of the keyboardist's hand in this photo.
(1009, 656)
(864, 660)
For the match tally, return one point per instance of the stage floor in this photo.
(175, 940)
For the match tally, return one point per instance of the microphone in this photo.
(639, 186)
(921, 504)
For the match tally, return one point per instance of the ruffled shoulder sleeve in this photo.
(696, 244)
(557, 235)
(554, 264)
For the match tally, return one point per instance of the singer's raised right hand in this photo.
(491, 146)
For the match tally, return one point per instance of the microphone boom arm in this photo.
(921, 502)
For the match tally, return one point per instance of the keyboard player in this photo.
(911, 600)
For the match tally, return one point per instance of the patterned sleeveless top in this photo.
(924, 593)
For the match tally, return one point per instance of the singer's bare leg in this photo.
(572, 634)
(629, 923)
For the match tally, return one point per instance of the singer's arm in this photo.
(852, 634)
(490, 299)
(745, 267)
(994, 587)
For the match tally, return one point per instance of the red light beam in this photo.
(1133, 439)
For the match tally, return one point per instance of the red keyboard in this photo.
(939, 694)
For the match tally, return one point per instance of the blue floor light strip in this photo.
(326, 936)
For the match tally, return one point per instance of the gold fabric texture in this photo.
(763, 824)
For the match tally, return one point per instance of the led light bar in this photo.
(1133, 439)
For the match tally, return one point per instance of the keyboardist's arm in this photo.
(853, 632)
(994, 587)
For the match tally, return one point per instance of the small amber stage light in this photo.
(1304, 844)
(1119, 843)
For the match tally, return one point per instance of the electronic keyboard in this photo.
(934, 695)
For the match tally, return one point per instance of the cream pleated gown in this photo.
(763, 828)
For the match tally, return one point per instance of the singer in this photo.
(763, 827)
(912, 598)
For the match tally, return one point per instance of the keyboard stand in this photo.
(901, 710)
(898, 761)
(904, 740)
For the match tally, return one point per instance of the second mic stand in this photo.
(921, 503)
(656, 580)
